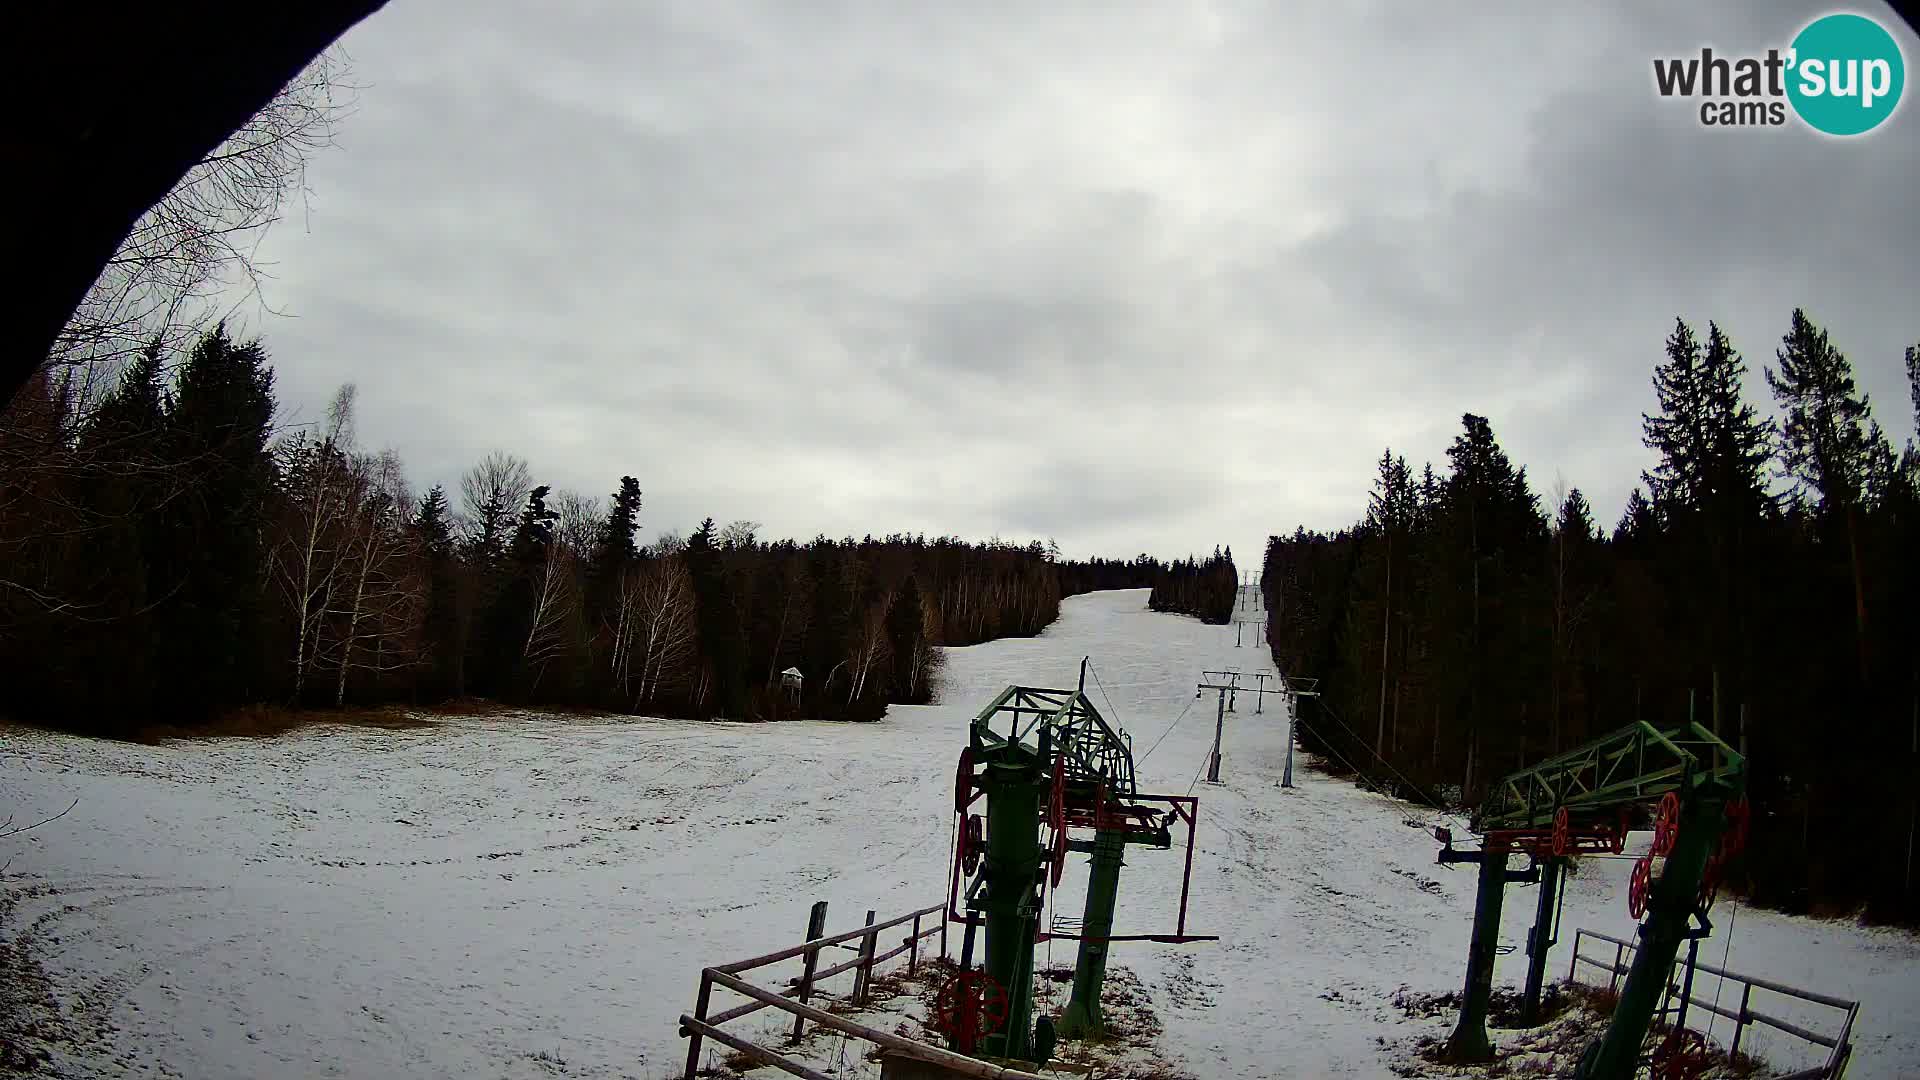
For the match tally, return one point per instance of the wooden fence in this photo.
(1838, 1045)
(702, 1024)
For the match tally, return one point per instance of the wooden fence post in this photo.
(1740, 1025)
(699, 1013)
(816, 927)
(863, 974)
(913, 946)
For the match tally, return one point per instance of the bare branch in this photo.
(7, 830)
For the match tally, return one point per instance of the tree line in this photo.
(165, 555)
(1205, 589)
(1761, 580)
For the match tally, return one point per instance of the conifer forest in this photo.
(1762, 580)
(169, 556)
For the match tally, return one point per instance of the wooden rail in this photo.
(700, 1024)
(1839, 1045)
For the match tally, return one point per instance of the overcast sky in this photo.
(1139, 277)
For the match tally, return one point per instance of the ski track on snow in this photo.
(533, 896)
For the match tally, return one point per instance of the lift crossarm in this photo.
(1093, 751)
(1630, 765)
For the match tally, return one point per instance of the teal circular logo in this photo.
(1845, 74)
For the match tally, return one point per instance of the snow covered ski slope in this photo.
(530, 896)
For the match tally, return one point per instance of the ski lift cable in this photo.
(1164, 734)
(1328, 709)
(1103, 691)
(1365, 781)
(1196, 774)
(1726, 953)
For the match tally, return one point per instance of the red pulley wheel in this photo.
(1666, 824)
(1562, 831)
(1639, 885)
(969, 1006)
(1057, 819)
(1709, 884)
(972, 844)
(1682, 1055)
(1058, 857)
(1739, 818)
(963, 781)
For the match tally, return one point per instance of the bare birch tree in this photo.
(304, 561)
(739, 535)
(665, 627)
(165, 283)
(870, 647)
(556, 600)
(491, 495)
(578, 524)
(380, 596)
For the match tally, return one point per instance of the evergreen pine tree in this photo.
(1826, 446)
(210, 546)
(1637, 522)
(1823, 435)
(443, 628)
(721, 643)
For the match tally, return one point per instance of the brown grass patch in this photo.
(268, 721)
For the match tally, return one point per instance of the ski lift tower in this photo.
(1582, 801)
(1057, 764)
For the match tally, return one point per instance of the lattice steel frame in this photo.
(1636, 763)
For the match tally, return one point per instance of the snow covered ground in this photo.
(533, 896)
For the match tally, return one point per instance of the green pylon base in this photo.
(1083, 1017)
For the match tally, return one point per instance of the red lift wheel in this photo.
(1562, 831)
(972, 844)
(969, 1006)
(1057, 858)
(1057, 819)
(1666, 824)
(1638, 887)
(1682, 1055)
(1709, 884)
(963, 781)
(1739, 818)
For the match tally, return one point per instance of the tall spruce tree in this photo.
(1493, 518)
(443, 627)
(1828, 448)
(1710, 490)
(211, 548)
(1823, 433)
(720, 633)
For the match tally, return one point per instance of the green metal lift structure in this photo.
(1056, 767)
(1583, 801)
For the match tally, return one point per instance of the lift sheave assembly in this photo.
(1584, 801)
(1056, 777)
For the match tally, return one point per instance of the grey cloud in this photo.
(1145, 282)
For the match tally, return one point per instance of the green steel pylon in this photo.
(1540, 939)
(1056, 761)
(1669, 910)
(1015, 777)
(1469, 1042)
(1082, 1016)
(1531, 809)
